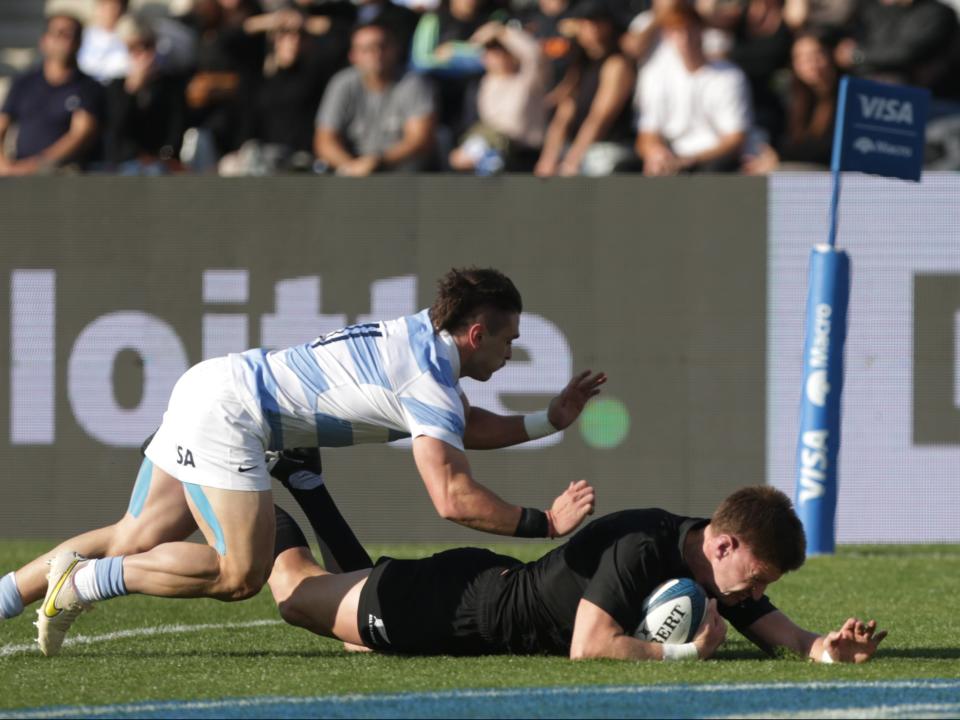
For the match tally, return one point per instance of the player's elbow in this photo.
(450, 509)
(583, 651)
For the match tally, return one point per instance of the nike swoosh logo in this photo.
(50, 609)
(247, 469)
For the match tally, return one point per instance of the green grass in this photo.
(911, 591)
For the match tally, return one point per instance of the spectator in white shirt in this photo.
(694, 115)
(103, 54)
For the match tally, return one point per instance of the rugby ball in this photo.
(673, 612)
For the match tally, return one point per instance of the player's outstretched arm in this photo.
(855, 642)
(488, 431)
(597, 635)
(458, 497)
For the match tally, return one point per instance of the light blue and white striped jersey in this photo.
(372, 382)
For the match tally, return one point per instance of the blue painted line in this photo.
(934, 698)
(206, 510)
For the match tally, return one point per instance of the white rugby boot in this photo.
(61, 606)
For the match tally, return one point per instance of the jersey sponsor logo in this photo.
(248, 468)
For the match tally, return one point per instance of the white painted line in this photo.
(8, 650)
(905, 710)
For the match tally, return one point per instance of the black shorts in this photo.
(430, 606)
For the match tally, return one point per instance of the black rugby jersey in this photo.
(614, 562)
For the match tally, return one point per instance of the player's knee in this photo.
(242, 583)
(292, 611)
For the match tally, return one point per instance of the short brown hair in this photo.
(464, 293)
(763, 518)
(680, 15)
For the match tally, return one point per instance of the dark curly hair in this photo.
(464, 293)
(764, 519)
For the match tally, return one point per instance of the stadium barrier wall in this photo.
(113, 287)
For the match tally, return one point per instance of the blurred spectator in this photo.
(229, 65)
(55, 107)
(811, 110)
(103, 54)
(441, 48)
(761, 48)
(145, 111)
(643, 40)
(510, 103)
(829, 18)
(543, 22)
(905, 41)
(374, 116)
(281, 120)
(594, 114)
(400, 21)
(694, 116)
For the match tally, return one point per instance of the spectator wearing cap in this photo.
(510, 103)
(103, 54)
(694, 115)
(590, 133)
(375, 116)
(146, 110)
(55, 107)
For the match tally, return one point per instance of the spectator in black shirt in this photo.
(582, 599)
(146, 110)
(279, 133)
(55, 107)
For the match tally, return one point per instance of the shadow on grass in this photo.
(933, 653)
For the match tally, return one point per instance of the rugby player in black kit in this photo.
(582, 599)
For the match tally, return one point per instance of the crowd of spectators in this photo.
(550, 87)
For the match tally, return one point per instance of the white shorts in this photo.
(207, 437)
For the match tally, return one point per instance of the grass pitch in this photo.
(244, 651)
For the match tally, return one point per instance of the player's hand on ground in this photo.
(855, 642)
(567, 406)
(712, 632)
(571, 507)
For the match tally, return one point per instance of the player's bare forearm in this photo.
(456, 495)
(597, 635)
(856, 641)
(488, 431)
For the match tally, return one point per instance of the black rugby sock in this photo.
(288, 534)
(339, 547)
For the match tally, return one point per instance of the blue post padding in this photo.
(819, 438)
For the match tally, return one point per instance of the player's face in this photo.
(738, 575)
(493, 349)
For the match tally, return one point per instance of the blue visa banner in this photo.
(880, 128)
(817, 452)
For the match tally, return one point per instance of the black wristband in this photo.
(533, 524)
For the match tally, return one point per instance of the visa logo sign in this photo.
(886, 109)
